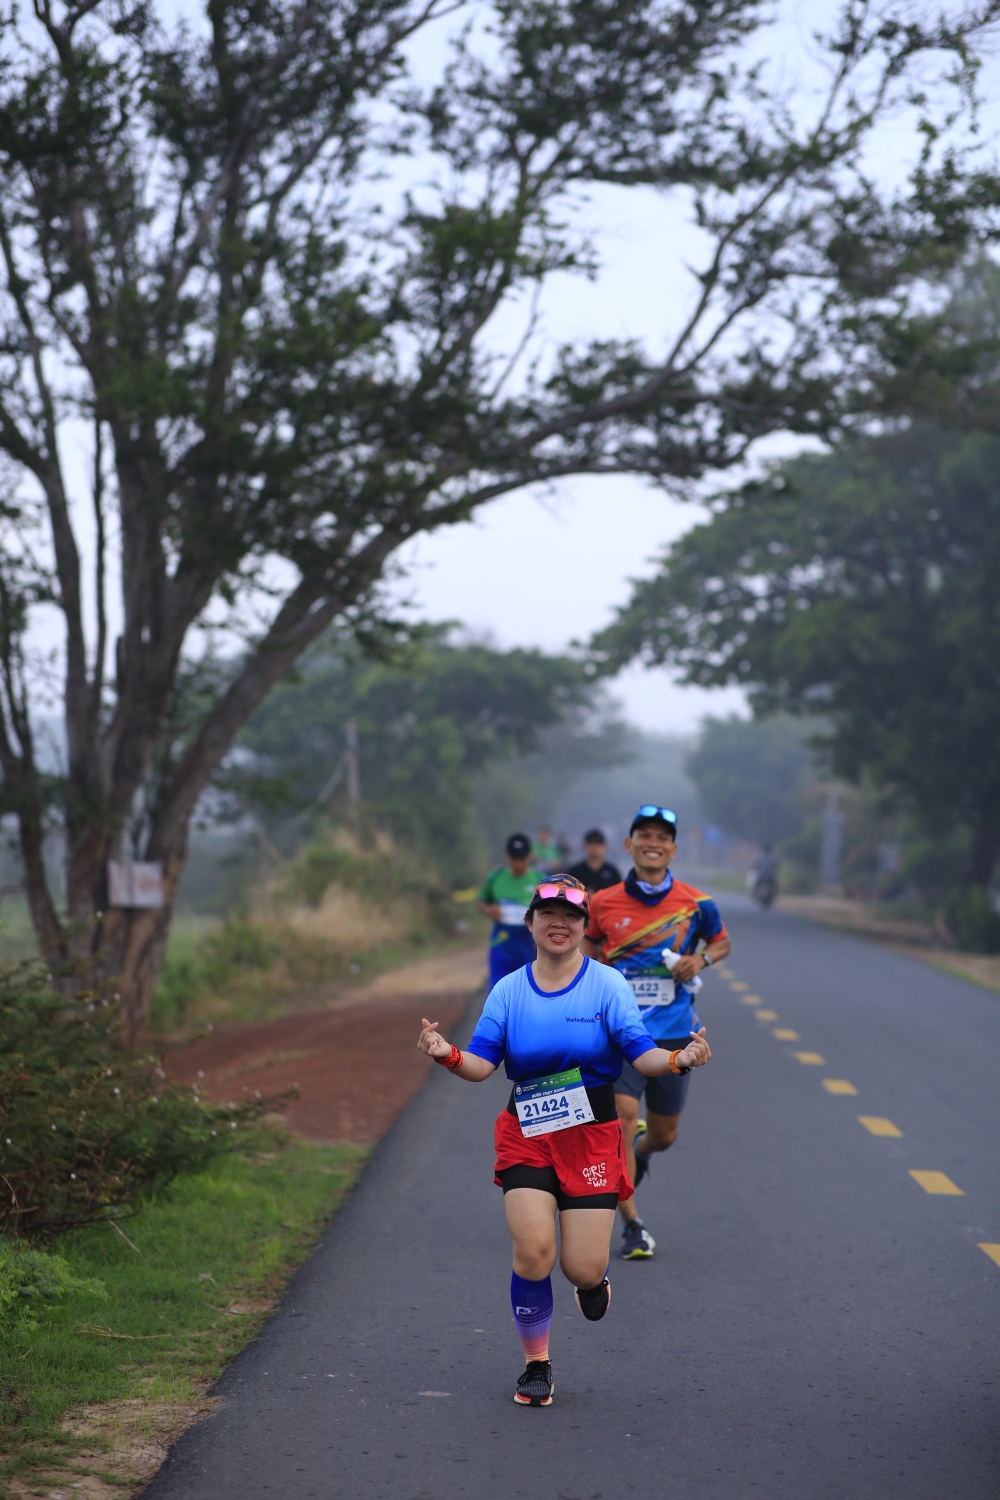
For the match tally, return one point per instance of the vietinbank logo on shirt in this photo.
(585, 1020)
(596, 1175)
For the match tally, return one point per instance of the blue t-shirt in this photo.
(591, 1025)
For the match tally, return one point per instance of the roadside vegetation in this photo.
(106, 1351)
(144, 1232)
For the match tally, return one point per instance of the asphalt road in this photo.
(815, 1323)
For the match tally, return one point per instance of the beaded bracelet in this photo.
(453, 1060)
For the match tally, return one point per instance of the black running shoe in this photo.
(595, 1301)
(536, 1385)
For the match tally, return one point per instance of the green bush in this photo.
(376, 875)
(85, 1128)
(972, 919)
(238, 945)
(30, 1277)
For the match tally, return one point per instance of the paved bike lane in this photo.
(814, 1324)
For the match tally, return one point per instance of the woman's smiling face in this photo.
(557, 927)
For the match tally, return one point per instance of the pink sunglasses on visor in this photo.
(551, 892)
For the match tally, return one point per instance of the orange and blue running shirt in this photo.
(634, 929)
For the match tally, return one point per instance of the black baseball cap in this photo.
(518, 845)
(650, 813)
(595, 836)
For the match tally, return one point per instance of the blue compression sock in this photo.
(532, 1305)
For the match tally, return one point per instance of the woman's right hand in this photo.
(431, 1041)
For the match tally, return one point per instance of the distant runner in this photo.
(563, 1026)
(546, 851)
(594, 871)
(640, 928)
(504, 896)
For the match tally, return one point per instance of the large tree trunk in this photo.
(129, 960)
(128, 951)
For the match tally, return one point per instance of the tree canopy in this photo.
(289, 366)
(751, 776)
(426, 726)
(862, 585)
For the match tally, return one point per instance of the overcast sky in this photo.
(544, 570)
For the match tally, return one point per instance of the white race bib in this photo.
(511, 914)
(652, 991)
(554, 1103)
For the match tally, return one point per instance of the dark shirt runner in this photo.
(596, 880)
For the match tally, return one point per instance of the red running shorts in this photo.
(588, 1160)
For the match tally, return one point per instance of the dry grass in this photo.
(344, 922)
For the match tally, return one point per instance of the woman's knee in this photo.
(585, 1270)
(533, 1265)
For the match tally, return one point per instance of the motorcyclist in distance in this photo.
(765, 886)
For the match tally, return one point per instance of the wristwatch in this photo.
(707, 961)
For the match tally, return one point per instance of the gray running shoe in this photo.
(638, 1243)
(535, 1386)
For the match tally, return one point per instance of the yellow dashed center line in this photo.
(767, 1015)
(751, 1000)
(838, 1086)
(738, 984)
(810, 1057)
(993, 1251)
(879, 1125)
(937, 1182)
(727, 973)
(784, 1035)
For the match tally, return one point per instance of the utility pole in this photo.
(353, 777)
(832, 840)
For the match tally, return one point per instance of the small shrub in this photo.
(972, 919)
(238, 946)
(86, 1129)
(30, 1277)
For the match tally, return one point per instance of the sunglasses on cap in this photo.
(549, 892)
(561, 888)
(649, 810)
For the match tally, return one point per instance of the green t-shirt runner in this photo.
(511, 893)
(510, 889)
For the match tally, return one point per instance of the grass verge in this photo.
(92, 1396)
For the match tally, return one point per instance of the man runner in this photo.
(649, 928)
(594, 871)
(505, 896)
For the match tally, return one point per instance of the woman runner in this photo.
(562, 1026)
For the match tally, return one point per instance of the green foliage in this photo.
(29, 1278)
(752, 775)
(862, 585)
(85, 1129)
(378, 874)
(972, 919)
(227, 1235)
(277, 367)
(236, 946)
(428, 723)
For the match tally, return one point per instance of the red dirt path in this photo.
(355, 1063)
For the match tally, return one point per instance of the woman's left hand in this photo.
(696, 1053)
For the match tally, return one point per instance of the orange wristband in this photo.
(454, 1059)
(673, 1066)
